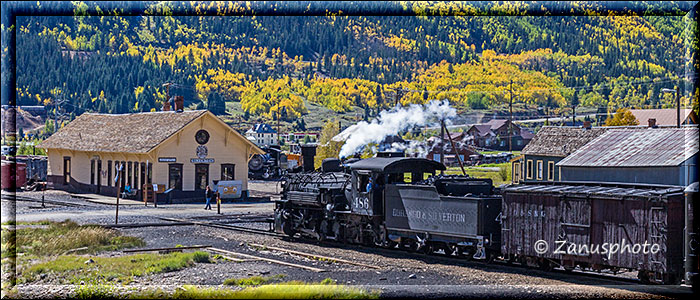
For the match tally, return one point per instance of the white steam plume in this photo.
(419, 149)
(392, 122)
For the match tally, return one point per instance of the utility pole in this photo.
(678, 103)
(167, 94)
(678, 106)
(510, 119)
(442, 144)
(58, 113)
(574, 103)
(399, 94)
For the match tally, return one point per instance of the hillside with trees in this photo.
(276, 66)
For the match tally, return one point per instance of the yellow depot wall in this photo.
(80, 163)
(225, 146)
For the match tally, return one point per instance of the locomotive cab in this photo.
(370, 178)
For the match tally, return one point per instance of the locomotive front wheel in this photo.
(287, 229)
(321, 230)
(381, 240)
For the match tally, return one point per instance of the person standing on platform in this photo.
(208, 195)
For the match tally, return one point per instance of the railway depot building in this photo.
(185, 151)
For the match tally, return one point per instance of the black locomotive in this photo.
(271, 165)
(386, 202)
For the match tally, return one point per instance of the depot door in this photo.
(175, 177)
(66, 170)
(201, 176)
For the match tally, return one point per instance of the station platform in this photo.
(109, 200)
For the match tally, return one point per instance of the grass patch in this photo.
(73, 269)
(500, 176)
(287, 290)
(95, 291)
(493, 165)
(60, 237)
(14, 222)
(515, 153)
(252, 281)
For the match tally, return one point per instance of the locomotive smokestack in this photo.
(308, 152)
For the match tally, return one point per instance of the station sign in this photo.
(167, 159)
(201, 160)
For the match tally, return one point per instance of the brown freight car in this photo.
(596, 226)
(14, 175)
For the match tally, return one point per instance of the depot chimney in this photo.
(179, 104)
(652, 123)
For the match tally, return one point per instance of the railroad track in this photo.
(438, 256)
(222, 226)
(8, 197)
(444, 258)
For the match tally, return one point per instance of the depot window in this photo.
(550, 171)
(529, 169)
(540, 169)
(227, 172)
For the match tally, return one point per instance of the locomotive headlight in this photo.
(486, 241)
(329, 207)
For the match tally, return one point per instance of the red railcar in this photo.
(14, 175)
(540, 223)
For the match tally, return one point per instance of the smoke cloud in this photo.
(392, 122)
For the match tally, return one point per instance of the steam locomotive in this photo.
(399, 202)
(271, 165)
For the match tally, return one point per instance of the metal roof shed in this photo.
(653, 155)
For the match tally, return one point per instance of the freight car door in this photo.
(575, 221)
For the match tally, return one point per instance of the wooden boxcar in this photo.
(14, 175)
(594, 218)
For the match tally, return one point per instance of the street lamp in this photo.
(678, 104)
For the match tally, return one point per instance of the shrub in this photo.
(201, 257)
